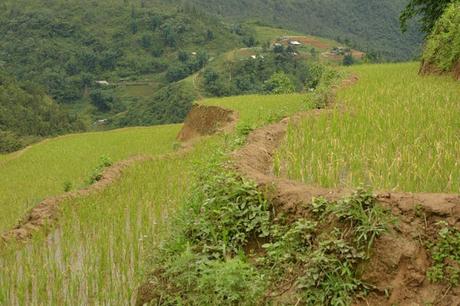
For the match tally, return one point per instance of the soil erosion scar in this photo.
(206, 120)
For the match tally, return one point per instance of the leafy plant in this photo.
(104, 162)
(226, 212)
(445, 252)
(67, 186)
(325, 252)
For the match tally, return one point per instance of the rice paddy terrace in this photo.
(392, 131)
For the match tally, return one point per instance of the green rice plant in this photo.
(257, 110)
(393, 130)
(29, 176)
(97, 254)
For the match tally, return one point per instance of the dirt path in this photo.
(400, 261)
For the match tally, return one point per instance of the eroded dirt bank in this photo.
(206, 120)
(400, 261)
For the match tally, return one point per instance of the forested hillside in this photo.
(442, 51)
(26, 113)
(67, 45)
(372, 25)
(78, 53)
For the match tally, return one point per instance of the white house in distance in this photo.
(104, 83)
(295, 43)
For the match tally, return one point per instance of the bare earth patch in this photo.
(206, 120)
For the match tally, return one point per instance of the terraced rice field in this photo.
(393, 130)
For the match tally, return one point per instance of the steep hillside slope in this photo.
(27, 113)
(442, 50)
(66, 47)
(371, 25)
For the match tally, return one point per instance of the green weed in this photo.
(445, 252)
(96, 176)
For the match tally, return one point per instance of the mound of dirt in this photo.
(400, 260)
(205, 120)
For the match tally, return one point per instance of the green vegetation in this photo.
(67, 47)
(211, 261)
(26, 114)
(170, 104)
(42, 170)
(429, 11)
(257, 110)
(368, 25)
(97, 253)
(274, 71)
(386, 132)
(445, 252)
(443, 45)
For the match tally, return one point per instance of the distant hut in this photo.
(103, 83)
(295, 43)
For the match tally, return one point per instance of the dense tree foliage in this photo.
(280, 70)
(170, 104)
(64, 45)
(26, 113)
(443, 45)
(370, 25)
(429, 10)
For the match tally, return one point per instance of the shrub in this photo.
(104, 162)
(445, 252)
(10, 142)
(279, 83)
(443, 45)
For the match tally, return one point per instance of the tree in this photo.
(279, 83)
(429, 10)
(209, 35)
(146, 41)
(102, 100)
(177, 72)
(212, 83)
(348, 60)
(183, 56)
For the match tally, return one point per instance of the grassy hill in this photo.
(368, 25)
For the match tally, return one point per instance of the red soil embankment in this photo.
(206, 120)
